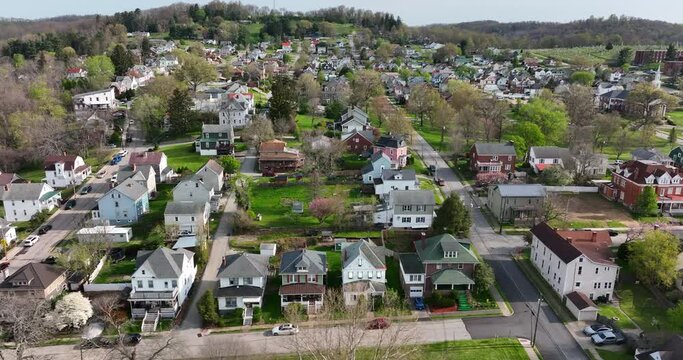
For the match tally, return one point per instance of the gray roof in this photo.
(239, 291)
(30, 191)
(244, 264)
(146, 171)
(212, 165)
(554, 152)
(648, 154)
(314, 261)
(163, 262)
(495, 149)
(373, 253)
(185, 208)
(521, 190)
(217, 128)
(378, 155)
(131, 189)
(411, 263)
(412, 197)
(407, 174)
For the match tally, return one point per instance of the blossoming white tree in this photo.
(73, 310)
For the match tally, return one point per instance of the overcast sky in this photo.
(412, 12)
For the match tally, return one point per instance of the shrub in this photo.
(256, 317)
(208, 309)
(439, 301)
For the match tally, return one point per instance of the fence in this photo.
(97, 270)
(572, 189)
(105, 287)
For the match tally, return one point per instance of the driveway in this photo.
(554, 340)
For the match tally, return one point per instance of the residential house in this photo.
(8, 233)
(651, 154)
(590, 165)
(35, 280)
(161, 283)
(276, 157)
(124, 83)
(9, 178)
(413, 209)
(391, 180)
(141, 73)
(76, 73)
(212, 174)
(493, 157)
(353, 119)
(168, 62)
(193, 189)
(22, 201)
(65, 170)
(395, 147)
(542, 157)
(359, 142)
(124, 204)
(616, 100)
(335, 89)
(215, 140)
(575, 261)
(630, 178)
(378, 163)
(363, 271)
(670, 350)
(105, 233)
(676, 155)
(440, 263)
(143, 174)
(187, 216)
(303, 274)
(95, 100)
(236, 110)
(519, 204)
(157, 160)
(241, 282)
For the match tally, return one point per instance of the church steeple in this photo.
(657, 82)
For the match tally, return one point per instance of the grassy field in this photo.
(614, 355)
(184, 155)
(33, 175)
(119, 272)
(639, 304)
(594, 55)
(613, 312)
(307, 122)
(486, 349)
(428, 184)
(259, 98)
(143, 229)
(676, 116)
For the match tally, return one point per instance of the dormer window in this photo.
(143, 272)
(300, 268)
(360, 262)
(450, 254)
(650, 180)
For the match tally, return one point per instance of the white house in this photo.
(22, 201)
(363, 270)
(212, 174)
(107, 233)
(143, 174)
(353, 120)
(95, 100)
(378, 163)
(542, 157)
(575, 261)
(241, 281)
(7, 231)
(194, 190)
(161, 282)
(125, 203)
(237, 110)
(412, 209)
(76, 73)
(391, 180)
(65, 170)
(155, 159)
(187, 216)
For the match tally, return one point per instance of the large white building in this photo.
(22, 201)
(63, 171)
(237, 110)
(575, 261)
(410, 209)
(95, 100)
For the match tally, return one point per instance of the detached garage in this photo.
(581, 306)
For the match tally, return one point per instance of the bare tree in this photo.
(259, 129)
(397, 123)
(24, 321)
(470, 123)
(321, 154)
(554, 207)
(492, 112)
(350, 333)
(422, 101)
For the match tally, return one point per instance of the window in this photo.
(450, 254)
(350, 274)
(406, 207)
(420, 220)
(192, 219)
(116, 204)
(143, 271)
(580, 269)
(176, 219)
(438, 266)
(406, 220)
(596, 270)
(139, 284)
(580, 260)
(174, 283)
(248, 281)
(232, 281)
(461, 266)
(360, 274)
(379, 274)
(230, 302)
(415, 277)
(166, 284)
(360, 261)
(150, 284)
(558, 264)
(578, 284)
(559, 279)
(494, 158)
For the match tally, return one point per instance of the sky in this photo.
(412, 12)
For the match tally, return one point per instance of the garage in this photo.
(581, 306)
(415, 291)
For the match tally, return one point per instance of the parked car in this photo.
(31, 240)
(101, 173)
(432, 169)
(114, 178)
(44, 229)
(132, 339)
(115, 160)
(70, 204)
(50, 260)
(123, 153)
(285, 329)
(439, 181)
(590, 330)
(378, 323)
(612, 232)
(608, 338)
(86, 189)
(419, 303)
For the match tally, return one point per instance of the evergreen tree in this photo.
(646, 203)
(179, 112)
(145, 49)
(122, 59)
(671, 53)
(673, 137)
(453, 217)
(283, 103)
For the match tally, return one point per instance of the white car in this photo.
(101, 173)
(29, 241)
(114, 178)
(131, 122)
(285, 329)
(123, 153)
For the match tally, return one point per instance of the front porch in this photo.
(308, 295)
(449, 280)
(523, 215)
(671, 204)
(163, 303)
(486, 167)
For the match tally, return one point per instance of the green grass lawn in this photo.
(271, 312)
(394, 276)
(613, 312)
(428, 184)
(417, 164)
(638, 303)
(143, 229)
(184, 156)
(119, 272)
(351, 161)
(676, 116)
(614, 355)
(33, 174)
(307, 122)
(334, 266)
(358, 234)
(580, 224)
(259, 98)
(486, 349)
(433, 136)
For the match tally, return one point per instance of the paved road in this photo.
(554, 340)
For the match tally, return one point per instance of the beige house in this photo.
(36, 280)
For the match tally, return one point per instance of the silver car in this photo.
(285, 329)
(596, 328)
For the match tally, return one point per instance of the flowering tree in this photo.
(491, 178)
(323, 208)
(73, 310)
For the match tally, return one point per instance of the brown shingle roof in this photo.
(594, 244)
(36, 276)
(68, 160)
(146, 158)
(556, 243)
(640, 169)
(299, 289)
(580, 300)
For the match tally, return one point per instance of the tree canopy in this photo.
(453, 217)
(654, 256)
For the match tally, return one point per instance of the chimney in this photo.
(6, 187)
(571, 241)
(135, 167)
(423, 238)
(594, 236)
(224, 261)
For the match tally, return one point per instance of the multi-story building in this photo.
(493, 157)
(363, 270)
(22, 201)
(95, 100)
(303, 275)
(65, 170)
(412, 209)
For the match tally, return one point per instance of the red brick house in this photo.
(360, 142)
(493, 157)
(633, 176)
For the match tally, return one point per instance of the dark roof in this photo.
(638, 170)
(35, 275)
(244, 265)
(616, 94)
(371, 252)
(185, 208)
(549, 152)
(391, 141)
(580, 300)
(670, 350)
(406, 174)
(314, 261)
(412, 197)
(163, 262)
(242, 290)
(556, 243)
(411, 263)
(146, 158)
(8, 178)
(298, 289)
(68, 160)
(495, 149)
(648, 154)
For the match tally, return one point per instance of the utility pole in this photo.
(538, 313)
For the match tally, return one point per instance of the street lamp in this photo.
(537, 315)
(443, 130)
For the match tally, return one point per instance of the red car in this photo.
(378, 323)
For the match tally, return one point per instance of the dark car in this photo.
(86, 189)
(419, 303)
(432, 169)
(612, 232)
(50, 260)
(440, 181)
(132, 339)
(378, 323)
(70, 204)
(44, 229)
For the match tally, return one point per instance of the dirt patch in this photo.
(594, 208)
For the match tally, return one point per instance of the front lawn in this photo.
(35, 175)
(486, 349)
(184, 156)
(428, 184)
(639, 303)
(308, 122)
(613, 312)
(676, 116)
(119, 272)
(352, 162)
(614, 355)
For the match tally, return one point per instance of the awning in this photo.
(451, 277)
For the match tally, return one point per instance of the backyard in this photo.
(308, 122)
(592, 211)
(143, 229)
(184, 156)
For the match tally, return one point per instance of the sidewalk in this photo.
(526, 344)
